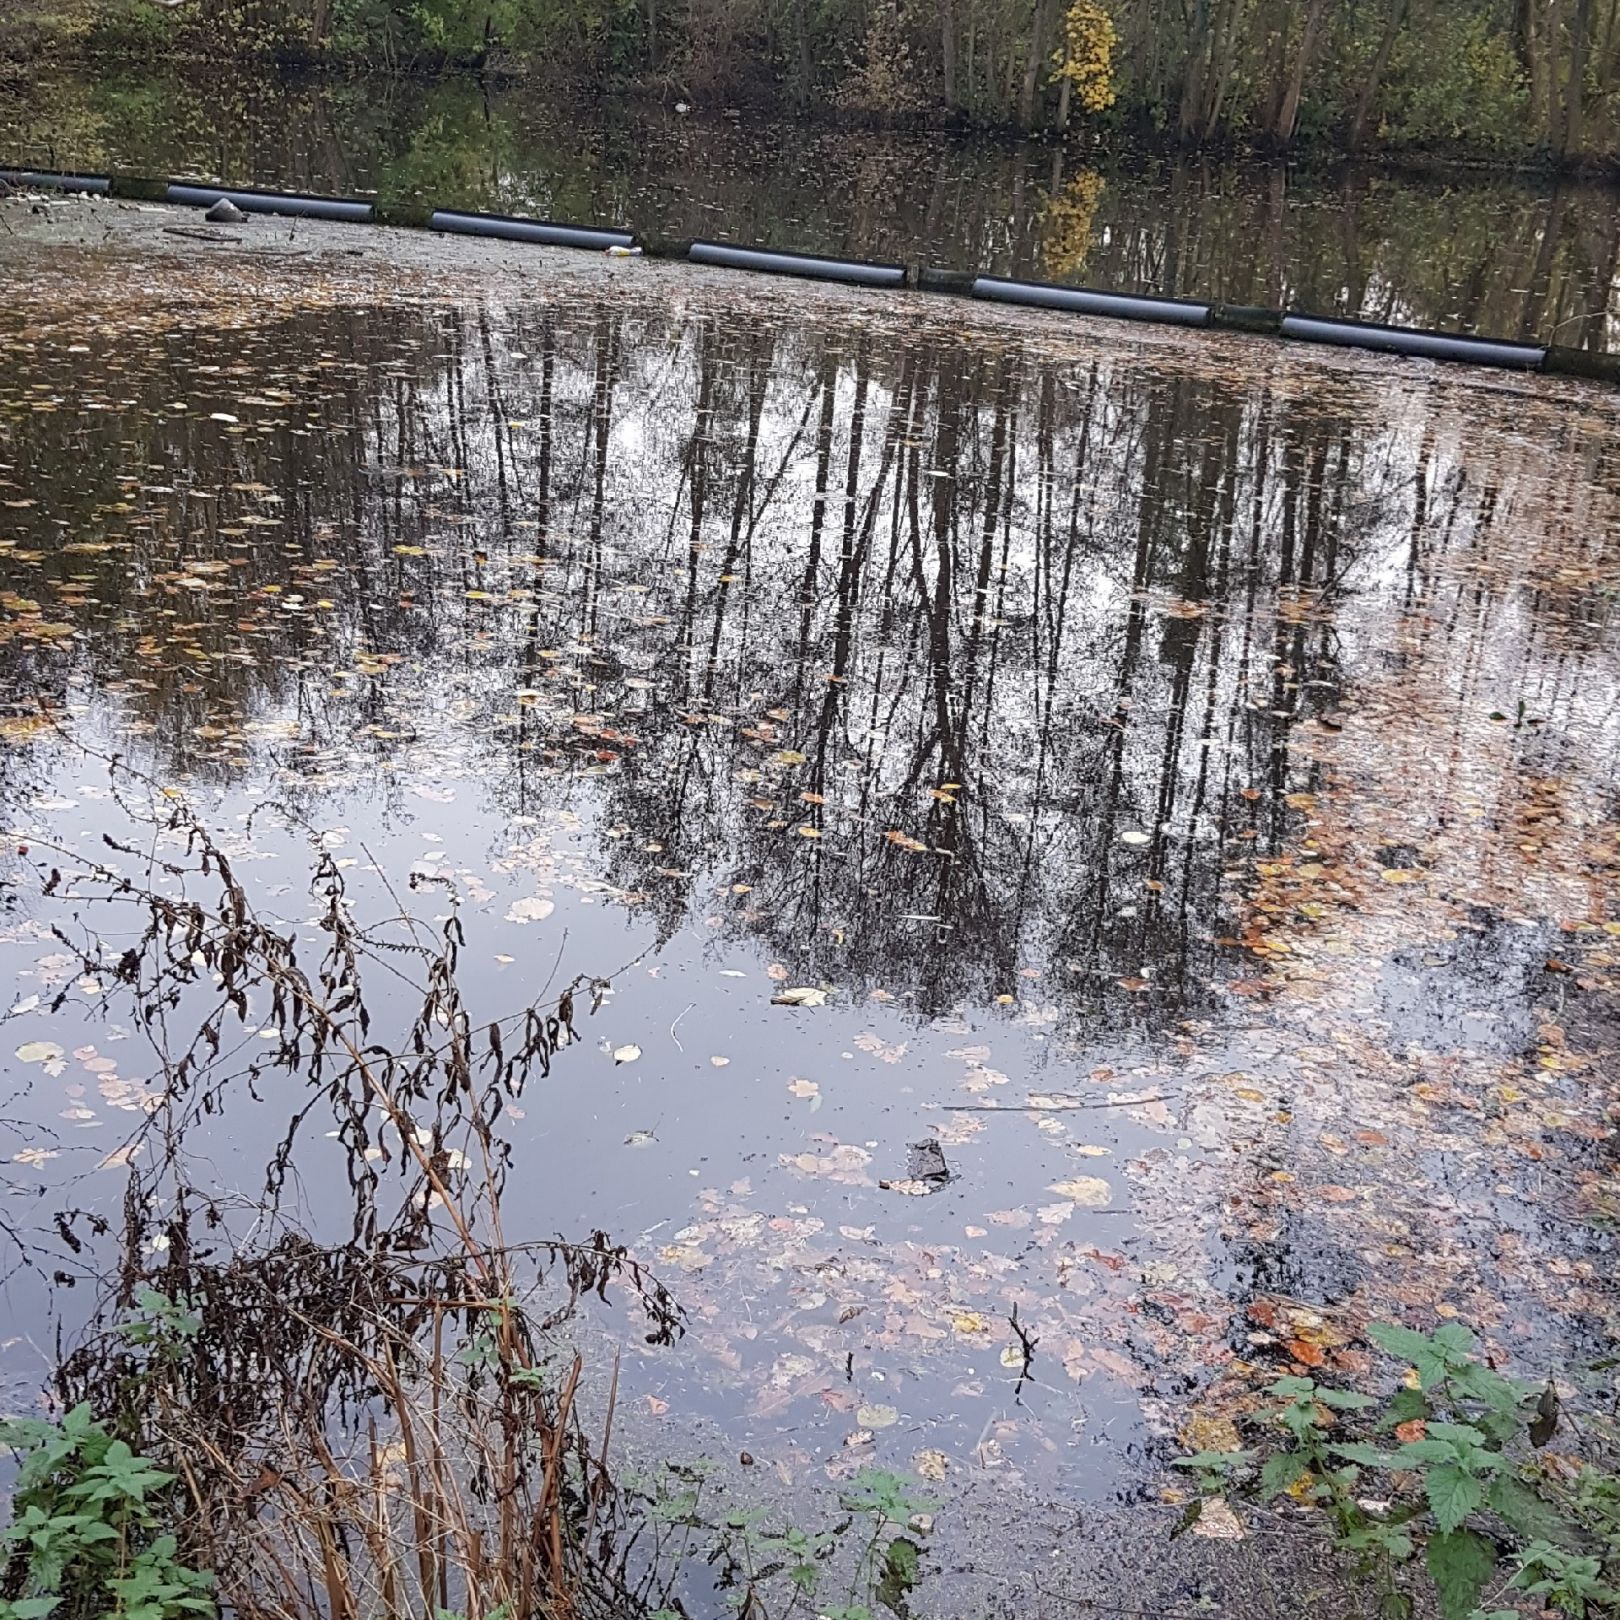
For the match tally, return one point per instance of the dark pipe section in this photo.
(1562, 362)
(1082, 301)
(274, 202)
(1246, 318)
(1424, 345)
(510, 229)
(959, 282)
(47, 180)
(798, 264)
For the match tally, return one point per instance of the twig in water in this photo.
(678, 1017)
(1050, 1108)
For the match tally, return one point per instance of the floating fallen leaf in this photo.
(1090, 1192)
(877, 1417)
(38, 1052)
(535, 909)
(1218, 1522)
(930, 1465)
(626, 1054)
(688, 1256)
(804, 1088)
(800, 996)
(1210, 1431)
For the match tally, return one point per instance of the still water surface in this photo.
(1176, 765)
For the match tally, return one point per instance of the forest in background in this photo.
(1492, 79)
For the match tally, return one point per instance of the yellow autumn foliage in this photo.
(1086, 56)
(1066, 224)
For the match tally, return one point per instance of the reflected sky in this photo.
(1177, 766)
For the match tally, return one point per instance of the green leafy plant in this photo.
(165, 1326)
(1458, 1484)
(87, 1536)
(773, 1574)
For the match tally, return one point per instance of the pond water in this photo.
(1175, 777)
(1507, 256)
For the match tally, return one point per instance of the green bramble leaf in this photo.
(1460, 1563)
(1282, 1469)
(1453, 1494)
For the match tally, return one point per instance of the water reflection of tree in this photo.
(923, 664)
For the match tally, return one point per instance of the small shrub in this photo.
(87, 1536)
(1438, 1469)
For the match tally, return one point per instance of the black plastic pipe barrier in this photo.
(1083, 301)
(1555, 360)
(354, 209)
(1404, 340)
(797, 264)
(45, 180)
(511, 229)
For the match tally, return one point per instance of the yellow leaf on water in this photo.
(877, 1417)
(1091, 1192)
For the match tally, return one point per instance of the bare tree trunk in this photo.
(807, 68)
(1575, 92)
(319, 22)
(1040, 25)
(1288, 112)
(972, 53)
(947, 24)
(1222, 56)
(1551, 31)
(1376, 69)
(1195, 73)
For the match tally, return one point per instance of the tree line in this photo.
(1513, 77)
